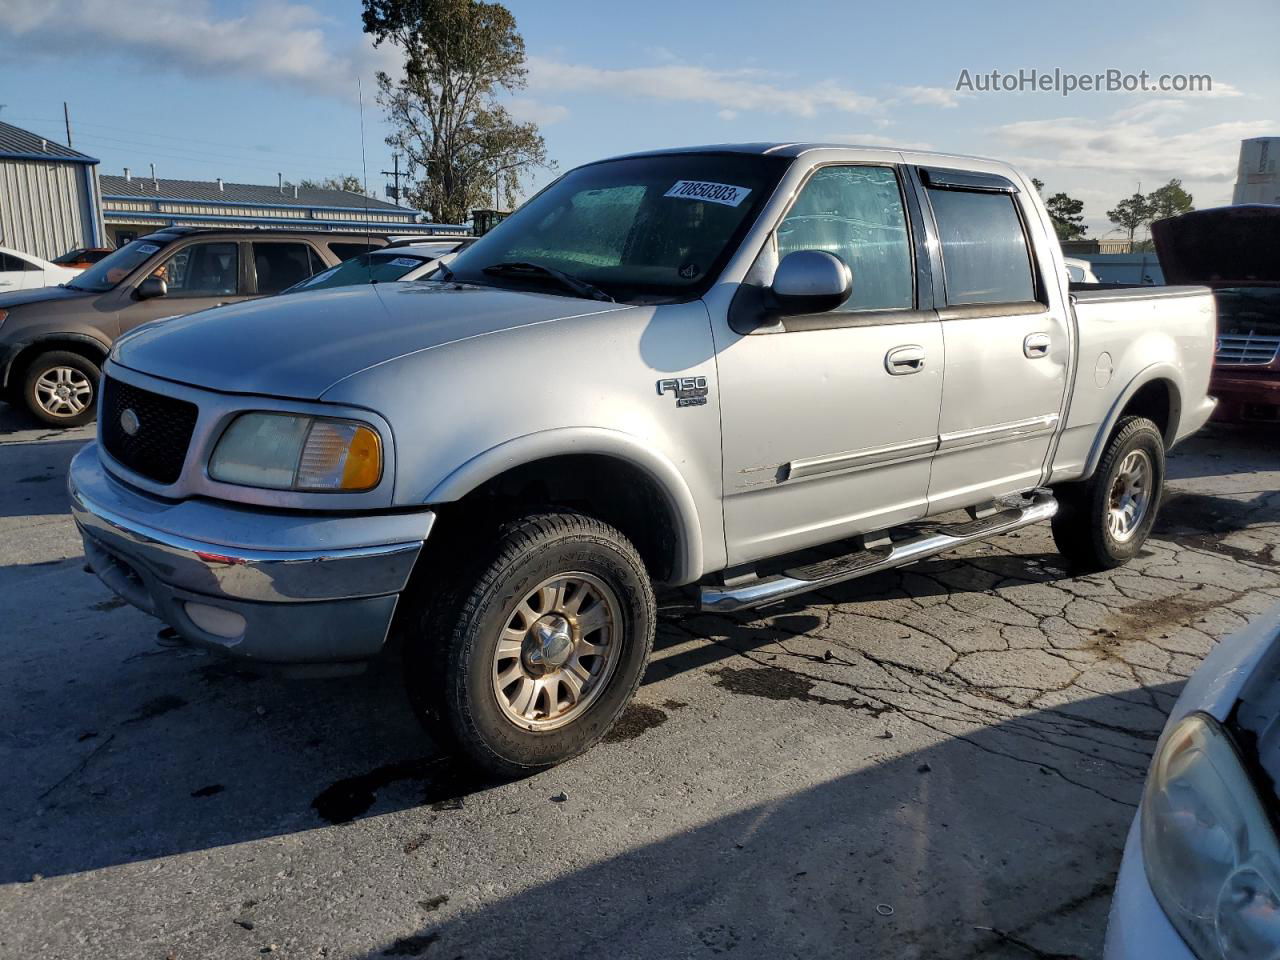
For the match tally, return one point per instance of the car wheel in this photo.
(1104, 521)
(531, 656)
(61, 388)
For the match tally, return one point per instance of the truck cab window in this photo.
(984, 248)
(856, 213)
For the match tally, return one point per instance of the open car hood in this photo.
(1223, 247)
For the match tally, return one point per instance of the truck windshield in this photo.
(110, 270)
(643, 228)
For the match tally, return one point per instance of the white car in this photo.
(1080, 271)
(22, 271)
(1200, 879)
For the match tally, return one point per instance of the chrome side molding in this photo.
(724, 599)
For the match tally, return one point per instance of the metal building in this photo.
(48, 195)
(134, 205)
(1258, 176)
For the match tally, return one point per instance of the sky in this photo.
(250, 89)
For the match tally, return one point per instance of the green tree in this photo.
(462, 145)
(1131, 213)
(1066, 212)
(343, 181)
(1169, 201)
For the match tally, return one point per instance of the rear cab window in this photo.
(986, 257)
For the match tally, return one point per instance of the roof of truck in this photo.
(796, 148)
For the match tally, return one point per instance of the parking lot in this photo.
(938, 762)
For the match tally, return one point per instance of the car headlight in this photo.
(1211, 852)
(283, 451)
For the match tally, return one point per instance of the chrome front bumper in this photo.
(274, 586)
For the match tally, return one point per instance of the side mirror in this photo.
(810, 281)
(150, 288)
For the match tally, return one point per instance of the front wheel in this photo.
(530, 658)
(61, 388)
(1103, 522)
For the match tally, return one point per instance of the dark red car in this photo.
(1236, 251)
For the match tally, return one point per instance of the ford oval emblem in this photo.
(130, 423)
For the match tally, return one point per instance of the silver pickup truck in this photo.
(740, 372)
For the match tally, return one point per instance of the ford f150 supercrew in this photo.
(743, 372)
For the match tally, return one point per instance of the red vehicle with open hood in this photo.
(1235, 251)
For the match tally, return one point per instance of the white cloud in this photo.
(734, 90)
(1103, 159)
(931, 96)
(530, 110)
(728, 114)
(278, 41)
(1136, 140)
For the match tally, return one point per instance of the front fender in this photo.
(589, 440)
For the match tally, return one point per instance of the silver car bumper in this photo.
(273, 586)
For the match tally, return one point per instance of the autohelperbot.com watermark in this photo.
(1065, 82)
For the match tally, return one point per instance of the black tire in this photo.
(1081, 528)
(51, 362)
(452, 640)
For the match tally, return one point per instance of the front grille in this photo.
(1248, 350)
(158, 447)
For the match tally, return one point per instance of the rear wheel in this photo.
(532, 655)
(60, 388)
(1104, 521)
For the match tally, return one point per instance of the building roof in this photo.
(22, 144)
(208, 191)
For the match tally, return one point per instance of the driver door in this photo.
(830, 420)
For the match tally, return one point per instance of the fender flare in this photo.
(1162, 370)
(567, 441)
(14, 350)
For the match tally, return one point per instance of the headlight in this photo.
(1211, 852)
(291, 452)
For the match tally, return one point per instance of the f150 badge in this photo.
(689, 391)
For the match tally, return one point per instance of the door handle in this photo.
(1036, 345)
(901, 361)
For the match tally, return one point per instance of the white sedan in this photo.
(22, 271)
(1200, 879)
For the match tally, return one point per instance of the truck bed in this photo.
(1124, 331)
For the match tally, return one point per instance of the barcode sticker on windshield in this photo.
(723, 193)
(405, 262)
(147, 248)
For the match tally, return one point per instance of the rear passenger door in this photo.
(1005, 335)
(199, 275)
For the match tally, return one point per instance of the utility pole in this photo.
(66, 116)
(395, 174)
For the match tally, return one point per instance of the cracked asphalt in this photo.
(939, 762)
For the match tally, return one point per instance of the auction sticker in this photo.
(405, 262)
(724, 193)
(147, 248)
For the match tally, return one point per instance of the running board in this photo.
(725, 599)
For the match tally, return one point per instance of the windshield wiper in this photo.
(521, 269)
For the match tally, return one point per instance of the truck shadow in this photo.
(944, 852)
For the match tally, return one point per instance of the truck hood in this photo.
(300, 345)
(1222, 247)
(21, 298)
